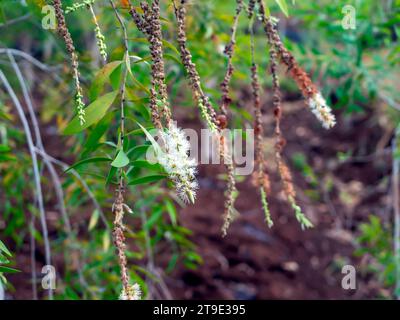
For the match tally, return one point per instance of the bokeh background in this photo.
(346, 178)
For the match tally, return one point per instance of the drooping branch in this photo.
(206, 108)
(310, 92)
(262, 177)
(229, 50)
(150, 24)
(69, 44)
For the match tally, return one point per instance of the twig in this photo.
(229, 50)
(31, 59)
(38, 187)
(18, 19)
(396, 209)
(33, 259)
(119, 206)
(121, 22)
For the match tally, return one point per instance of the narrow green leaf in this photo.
(138, 59)
(154, 143)
(173, 58)
(106, 241)
(172, 262)
(137, 151)
(94, 112)
(139, 84)
(89, 160)
(138, 132)
(121, 160)
(148, 179)
(95, 135)
(8, 270)
(3, 259)
(4, 249)
(94, 219)
(171, 46)
(153, 218)
(111, 174)
(101, 78)
(283, 5)
(171, 211)
(147, 165)
(116, 77)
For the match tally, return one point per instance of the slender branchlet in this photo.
(229, 50)
(265, 207)
(100, 39)
(78, 5)
(230, 195)
(262, 177)
(250, 8)
(99, 35)
(64, 33)
(128, 292)
(310, 92)
(280, 142)
(206, 109)
(222, 119)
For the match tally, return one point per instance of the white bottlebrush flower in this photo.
(134, 293)
(322, 111)
(174, 157)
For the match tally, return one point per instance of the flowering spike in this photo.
(300, 216)
(134, 293)
(267, 213)
(176, 162)
(321, 110)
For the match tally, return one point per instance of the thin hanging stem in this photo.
(229, 50)
(396, 208)
(128, 291)
(63, 31)
(263, 181)
(206, 109)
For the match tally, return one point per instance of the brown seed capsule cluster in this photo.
(260, 175)
(263, 179)
(119, 241)
(230, 193)
(229, 50)
(64, 33)
(206, 108)
(279, 142)
(283, 169)
(310, 92)
(250, 8)
(302, 79)
(149, 23)
(220, 121)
